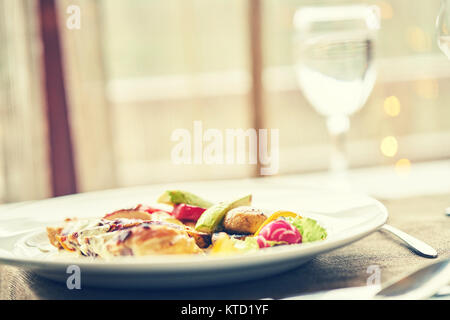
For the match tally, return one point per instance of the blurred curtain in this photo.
(24, 172)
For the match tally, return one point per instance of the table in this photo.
(421, 216)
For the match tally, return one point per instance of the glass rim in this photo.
(304, 16)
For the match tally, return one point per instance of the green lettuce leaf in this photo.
(308, 228)
(248, 244)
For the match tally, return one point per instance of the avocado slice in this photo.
(211, 218)
(172, 197)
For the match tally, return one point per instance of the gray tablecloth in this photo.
(422, 217)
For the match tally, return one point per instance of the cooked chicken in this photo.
(150, 239)
(128, 214)
(202, 239)
(244, 219)
(139, 232)
(105, 238)
(53, 233)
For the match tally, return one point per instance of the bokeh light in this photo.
(392, 106)
(386, 9)
(389, 146)
(417, 39)
(403, 167)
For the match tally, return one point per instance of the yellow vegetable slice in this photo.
(274, 216)
(224, 246)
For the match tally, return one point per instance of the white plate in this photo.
(347, 218)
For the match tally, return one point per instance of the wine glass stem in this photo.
(338, 127)
(338, 158)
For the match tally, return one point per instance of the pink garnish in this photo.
(280, 231)
(262, 243)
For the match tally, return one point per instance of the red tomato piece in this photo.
(185, 212)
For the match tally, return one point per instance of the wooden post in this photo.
(61, 155)
(256, 59)
(91, 116)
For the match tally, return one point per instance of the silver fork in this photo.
(416, 245)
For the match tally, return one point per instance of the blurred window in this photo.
(178, 61)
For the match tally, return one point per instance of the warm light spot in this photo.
(386, 9)
(392, 106)
(418, 39)
(428, 89)
(389, 146)
(403, 166)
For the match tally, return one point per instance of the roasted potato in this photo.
(244, 219)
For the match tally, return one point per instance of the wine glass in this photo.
(334, 62)
(443, 27)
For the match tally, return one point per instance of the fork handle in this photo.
(417, 245)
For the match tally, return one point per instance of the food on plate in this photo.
(275, 216)
(188, 224)
(244, 219)
(213, 216)
(308, 228)
(281, 231)
(122, 237)
(139, 212)
(187, 212)
(172, 197)
(217, 235)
